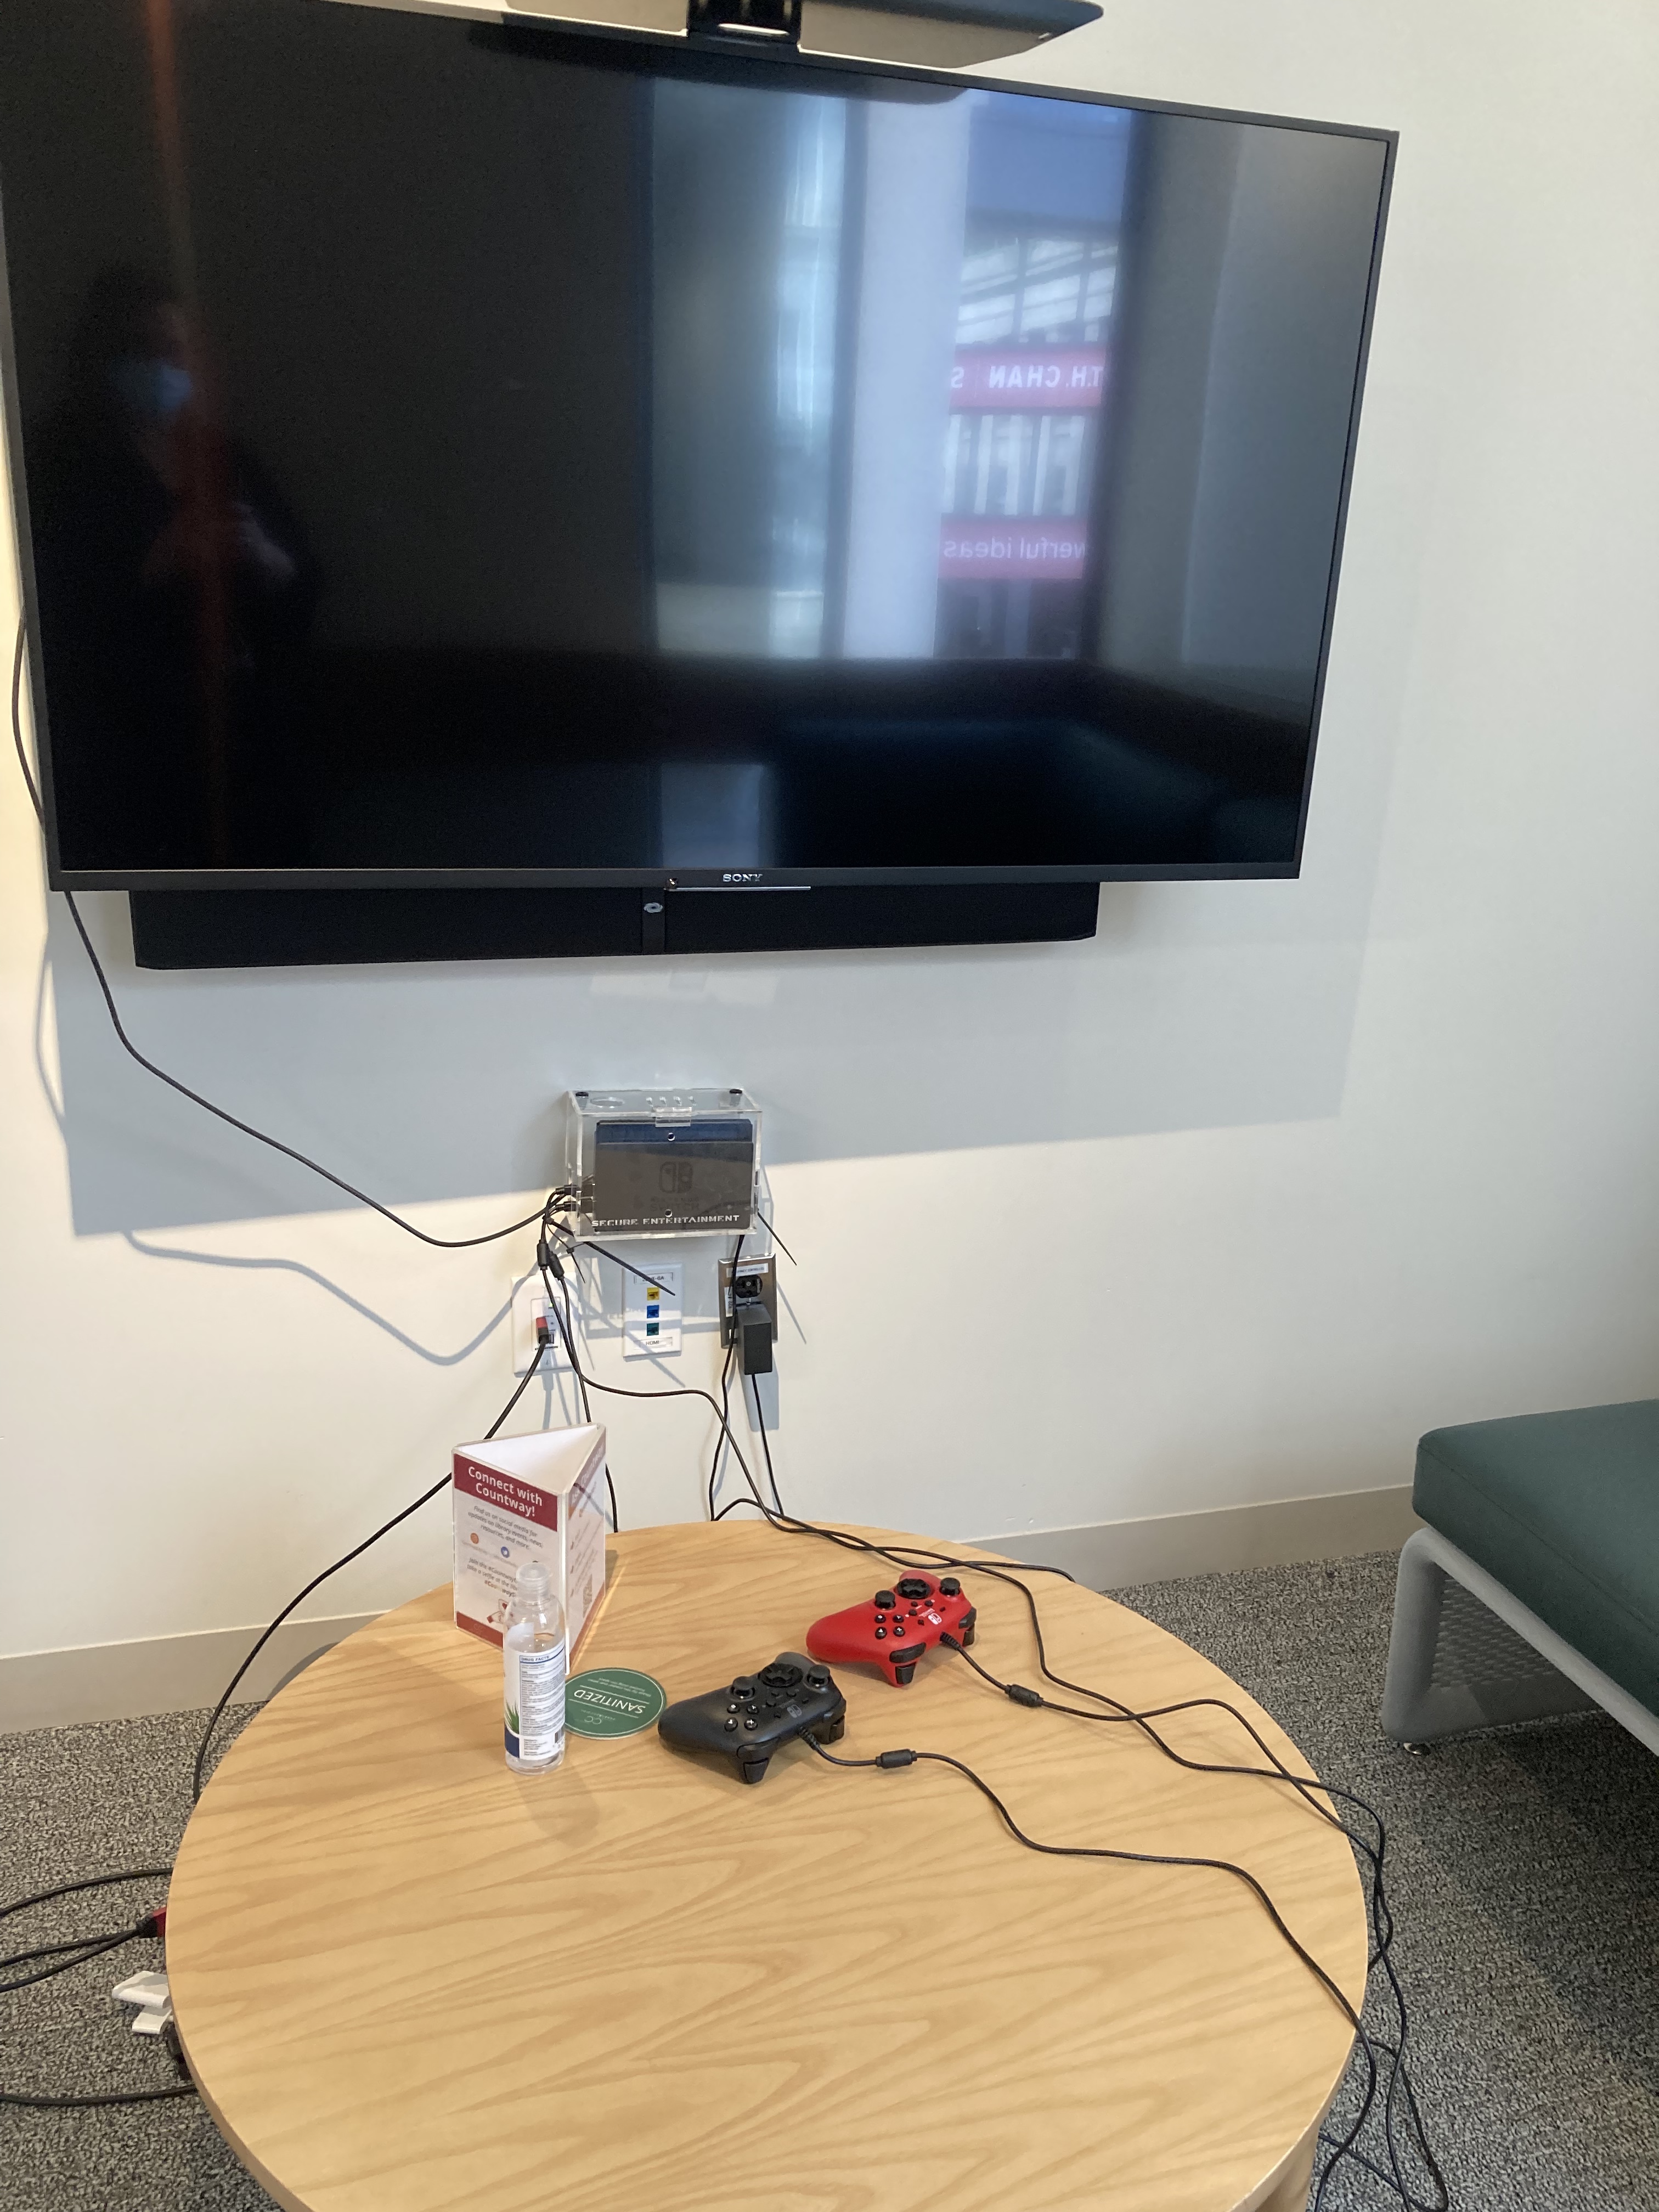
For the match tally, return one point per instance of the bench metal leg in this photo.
(1466, 1654)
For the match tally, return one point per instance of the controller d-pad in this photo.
(911, 1587)
(781, 1678)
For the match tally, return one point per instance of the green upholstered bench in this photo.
(1534, 1587)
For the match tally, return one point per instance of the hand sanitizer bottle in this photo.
(533, 1665)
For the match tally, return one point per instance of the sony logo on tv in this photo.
(743, 875)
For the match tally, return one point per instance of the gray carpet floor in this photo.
(1525, 1880)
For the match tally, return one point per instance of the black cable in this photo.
(93, 1950)
(85, 1949)
(259, 1136)
(562, 1322)
(442, 1243)
(569, 1343)
(723, 1433)
(78, 1943)
(547, 1262)
(356, 1551)
(113, 2097)
(1306, 1787)
(604, 1251)
(1344, 2145)
(1381, 1918)
(1107, 1851)
(88, 1881)
(766, 1442)
(775, 1238)
(909, 1555)
(17, 723)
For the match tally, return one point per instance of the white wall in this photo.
(1228, 1205)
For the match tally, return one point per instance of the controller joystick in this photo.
(757, 1714)
(895, 1628)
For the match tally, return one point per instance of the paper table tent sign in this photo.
(538, 1497)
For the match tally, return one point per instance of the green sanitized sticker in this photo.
(611, 1701)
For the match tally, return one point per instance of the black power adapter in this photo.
(748, 1312)
(751, 1327)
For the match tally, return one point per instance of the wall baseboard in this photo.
(182, 1673)
(155, 1674)
(1167, 1546)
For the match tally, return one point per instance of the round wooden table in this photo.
(408, 1980)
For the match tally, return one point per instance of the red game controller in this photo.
(897, 1625)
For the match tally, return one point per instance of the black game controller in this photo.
(758, 1714)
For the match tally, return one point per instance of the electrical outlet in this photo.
(529, 1305)
(762, 1274)
(652, 1313)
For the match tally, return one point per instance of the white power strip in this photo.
(154, 2000)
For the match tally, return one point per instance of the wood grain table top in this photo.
(409, 1980)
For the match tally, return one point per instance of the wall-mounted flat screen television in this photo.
(457, 453)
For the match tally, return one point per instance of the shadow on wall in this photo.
(1198, 1005)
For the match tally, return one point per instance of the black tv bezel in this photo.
(722, 58)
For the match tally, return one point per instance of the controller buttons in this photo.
(730, 1726)
(731, 1709)
(898, 1628)
(950, 1587)
(881, 1632)
(749, 1723)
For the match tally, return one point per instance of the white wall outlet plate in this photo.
(529, 1305)
(652, 1313)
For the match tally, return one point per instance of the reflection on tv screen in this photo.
(456, 448)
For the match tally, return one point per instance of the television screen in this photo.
(453, 452)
